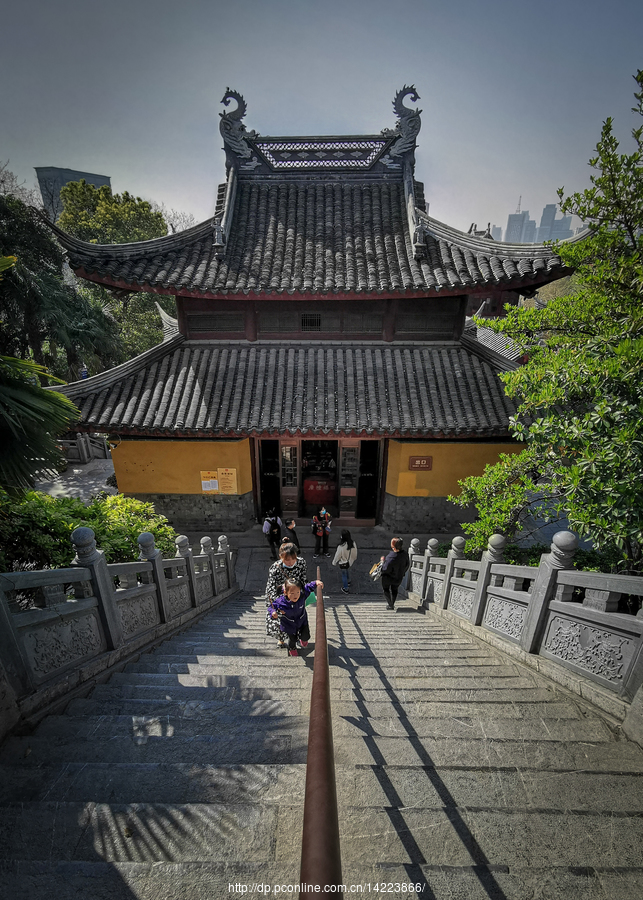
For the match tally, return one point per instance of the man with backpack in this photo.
(272, 529)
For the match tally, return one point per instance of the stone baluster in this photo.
(432, 547)
(15, 661)
(493, 554)
(9, 711)
(207, 548)
(604, 601)
(48, 595)
(224, 547)
(151, 553)
(89, 557)
(83, 455)
(455, 553)
(184, 550)
(561, 556)
(414, 547)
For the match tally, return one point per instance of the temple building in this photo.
(320, 353)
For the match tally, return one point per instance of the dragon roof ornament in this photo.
(233, 131)
(392, 149)
(406, 129)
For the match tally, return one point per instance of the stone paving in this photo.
(458, 770)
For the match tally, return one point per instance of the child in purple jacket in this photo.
(290, 609)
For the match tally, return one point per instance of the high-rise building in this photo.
(520, 228)
(51, 179)
(496, 232)
(561, 229)
(546, 223)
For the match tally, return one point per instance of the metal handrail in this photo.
(321, 860)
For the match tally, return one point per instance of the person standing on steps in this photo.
(289, 565)
(272, 529)
(393, 570)
(345, 556)
(291, 534)
(321, 530)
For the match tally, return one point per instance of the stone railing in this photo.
(84, 448)
(86, 619)
(564, 617)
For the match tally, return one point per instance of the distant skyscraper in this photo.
(529, 230)
(51, 179)
(562, 229)
(520, 228)
(546, 223)
(496, 232)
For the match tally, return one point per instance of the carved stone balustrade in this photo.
(85, 618)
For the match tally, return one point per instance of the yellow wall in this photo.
(451, 462)
(174, 467)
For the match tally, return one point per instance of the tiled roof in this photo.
(315, 237)
(499, 343)
(222, 388)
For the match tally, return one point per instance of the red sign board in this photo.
(421, 463)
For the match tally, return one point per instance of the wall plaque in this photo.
(420, 463)
(209, 482)
(227, 480)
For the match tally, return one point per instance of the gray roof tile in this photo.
(314, 237)
(184, 387)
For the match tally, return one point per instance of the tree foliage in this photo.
(97, 215)
(580, 396)
(42, 315)
(35, 530)
(30, 420)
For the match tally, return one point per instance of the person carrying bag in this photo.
(345, 556)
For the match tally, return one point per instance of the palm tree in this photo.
(30, 419)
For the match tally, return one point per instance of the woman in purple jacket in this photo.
(290, 609)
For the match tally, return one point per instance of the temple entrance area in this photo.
(296, 476)
(319, 477)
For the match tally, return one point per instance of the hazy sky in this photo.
(513, 93)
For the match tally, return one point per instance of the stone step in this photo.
(206, 655)
(214, 881)
(529, 703)
(28, 880)
(241, 741)
(141, 832)
(187, 832)
(198, 720)
(430, 787)
(437, 682)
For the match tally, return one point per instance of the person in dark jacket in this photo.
(290, 610)
(272, 529)
(291, 534)
(393, 570)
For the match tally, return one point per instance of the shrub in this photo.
(35, 531)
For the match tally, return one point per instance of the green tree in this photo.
(42, 316)
(96, 215)
(580, 396)
(30, 419)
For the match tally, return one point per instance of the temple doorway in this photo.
(269, 476)
(319, 477)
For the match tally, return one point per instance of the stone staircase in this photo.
(458, 770)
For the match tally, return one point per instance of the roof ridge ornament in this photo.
(406, 130)
(233, 131)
